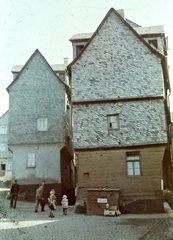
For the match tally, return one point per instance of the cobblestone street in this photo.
(23, 223)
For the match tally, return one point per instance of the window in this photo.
(31, 160)
(3, 147)
(3, 129)
(2, 170)
(9, 167)
(79, 49)
(153, 43)
(62, 76)
(113, 121)
(42, 124)
(133, 164)
(86, 175)
(3, 167)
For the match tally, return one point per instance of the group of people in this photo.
(40, 199)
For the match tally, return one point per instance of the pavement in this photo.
(23, 223)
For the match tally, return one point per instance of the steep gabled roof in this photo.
(32, 56)
(127, 24)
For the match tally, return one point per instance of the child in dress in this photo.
(64, 203)
(52, 202)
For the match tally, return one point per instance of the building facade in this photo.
(120, 87)
(5, 154)
(40, 128)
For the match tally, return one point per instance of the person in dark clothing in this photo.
(43, 199)
(14, 193)
(38, 197)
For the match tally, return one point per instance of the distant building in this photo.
(5, 154)
(120, 91)
(40, 127)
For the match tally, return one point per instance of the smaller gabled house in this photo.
(40, 128)
(5, 154)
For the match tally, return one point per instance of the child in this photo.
(64, 203)
(52, 202)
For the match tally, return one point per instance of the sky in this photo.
(47, 25)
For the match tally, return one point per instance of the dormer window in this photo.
(79, 49)
(62, 76)
(153, 43)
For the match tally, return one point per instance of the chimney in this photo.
(65, 60)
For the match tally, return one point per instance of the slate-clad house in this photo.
(120, 87)
(40, 128)
(5, 154)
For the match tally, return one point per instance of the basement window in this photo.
(86, 175)
(133, 164)
(113, 121)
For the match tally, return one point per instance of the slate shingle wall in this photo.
(36, 93)
(116, 64)
(141, 122)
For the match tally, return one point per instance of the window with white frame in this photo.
(3, 147)
(113, 121)
(31, 160)
(133, 164)
(42, 124)
(3, 129)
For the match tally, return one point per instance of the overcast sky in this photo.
(26, 25)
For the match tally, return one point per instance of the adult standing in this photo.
(14, 193)
(38, 197)
(44, 195)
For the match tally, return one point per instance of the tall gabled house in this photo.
(120, 88)
(5, 154)
(40, 128)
